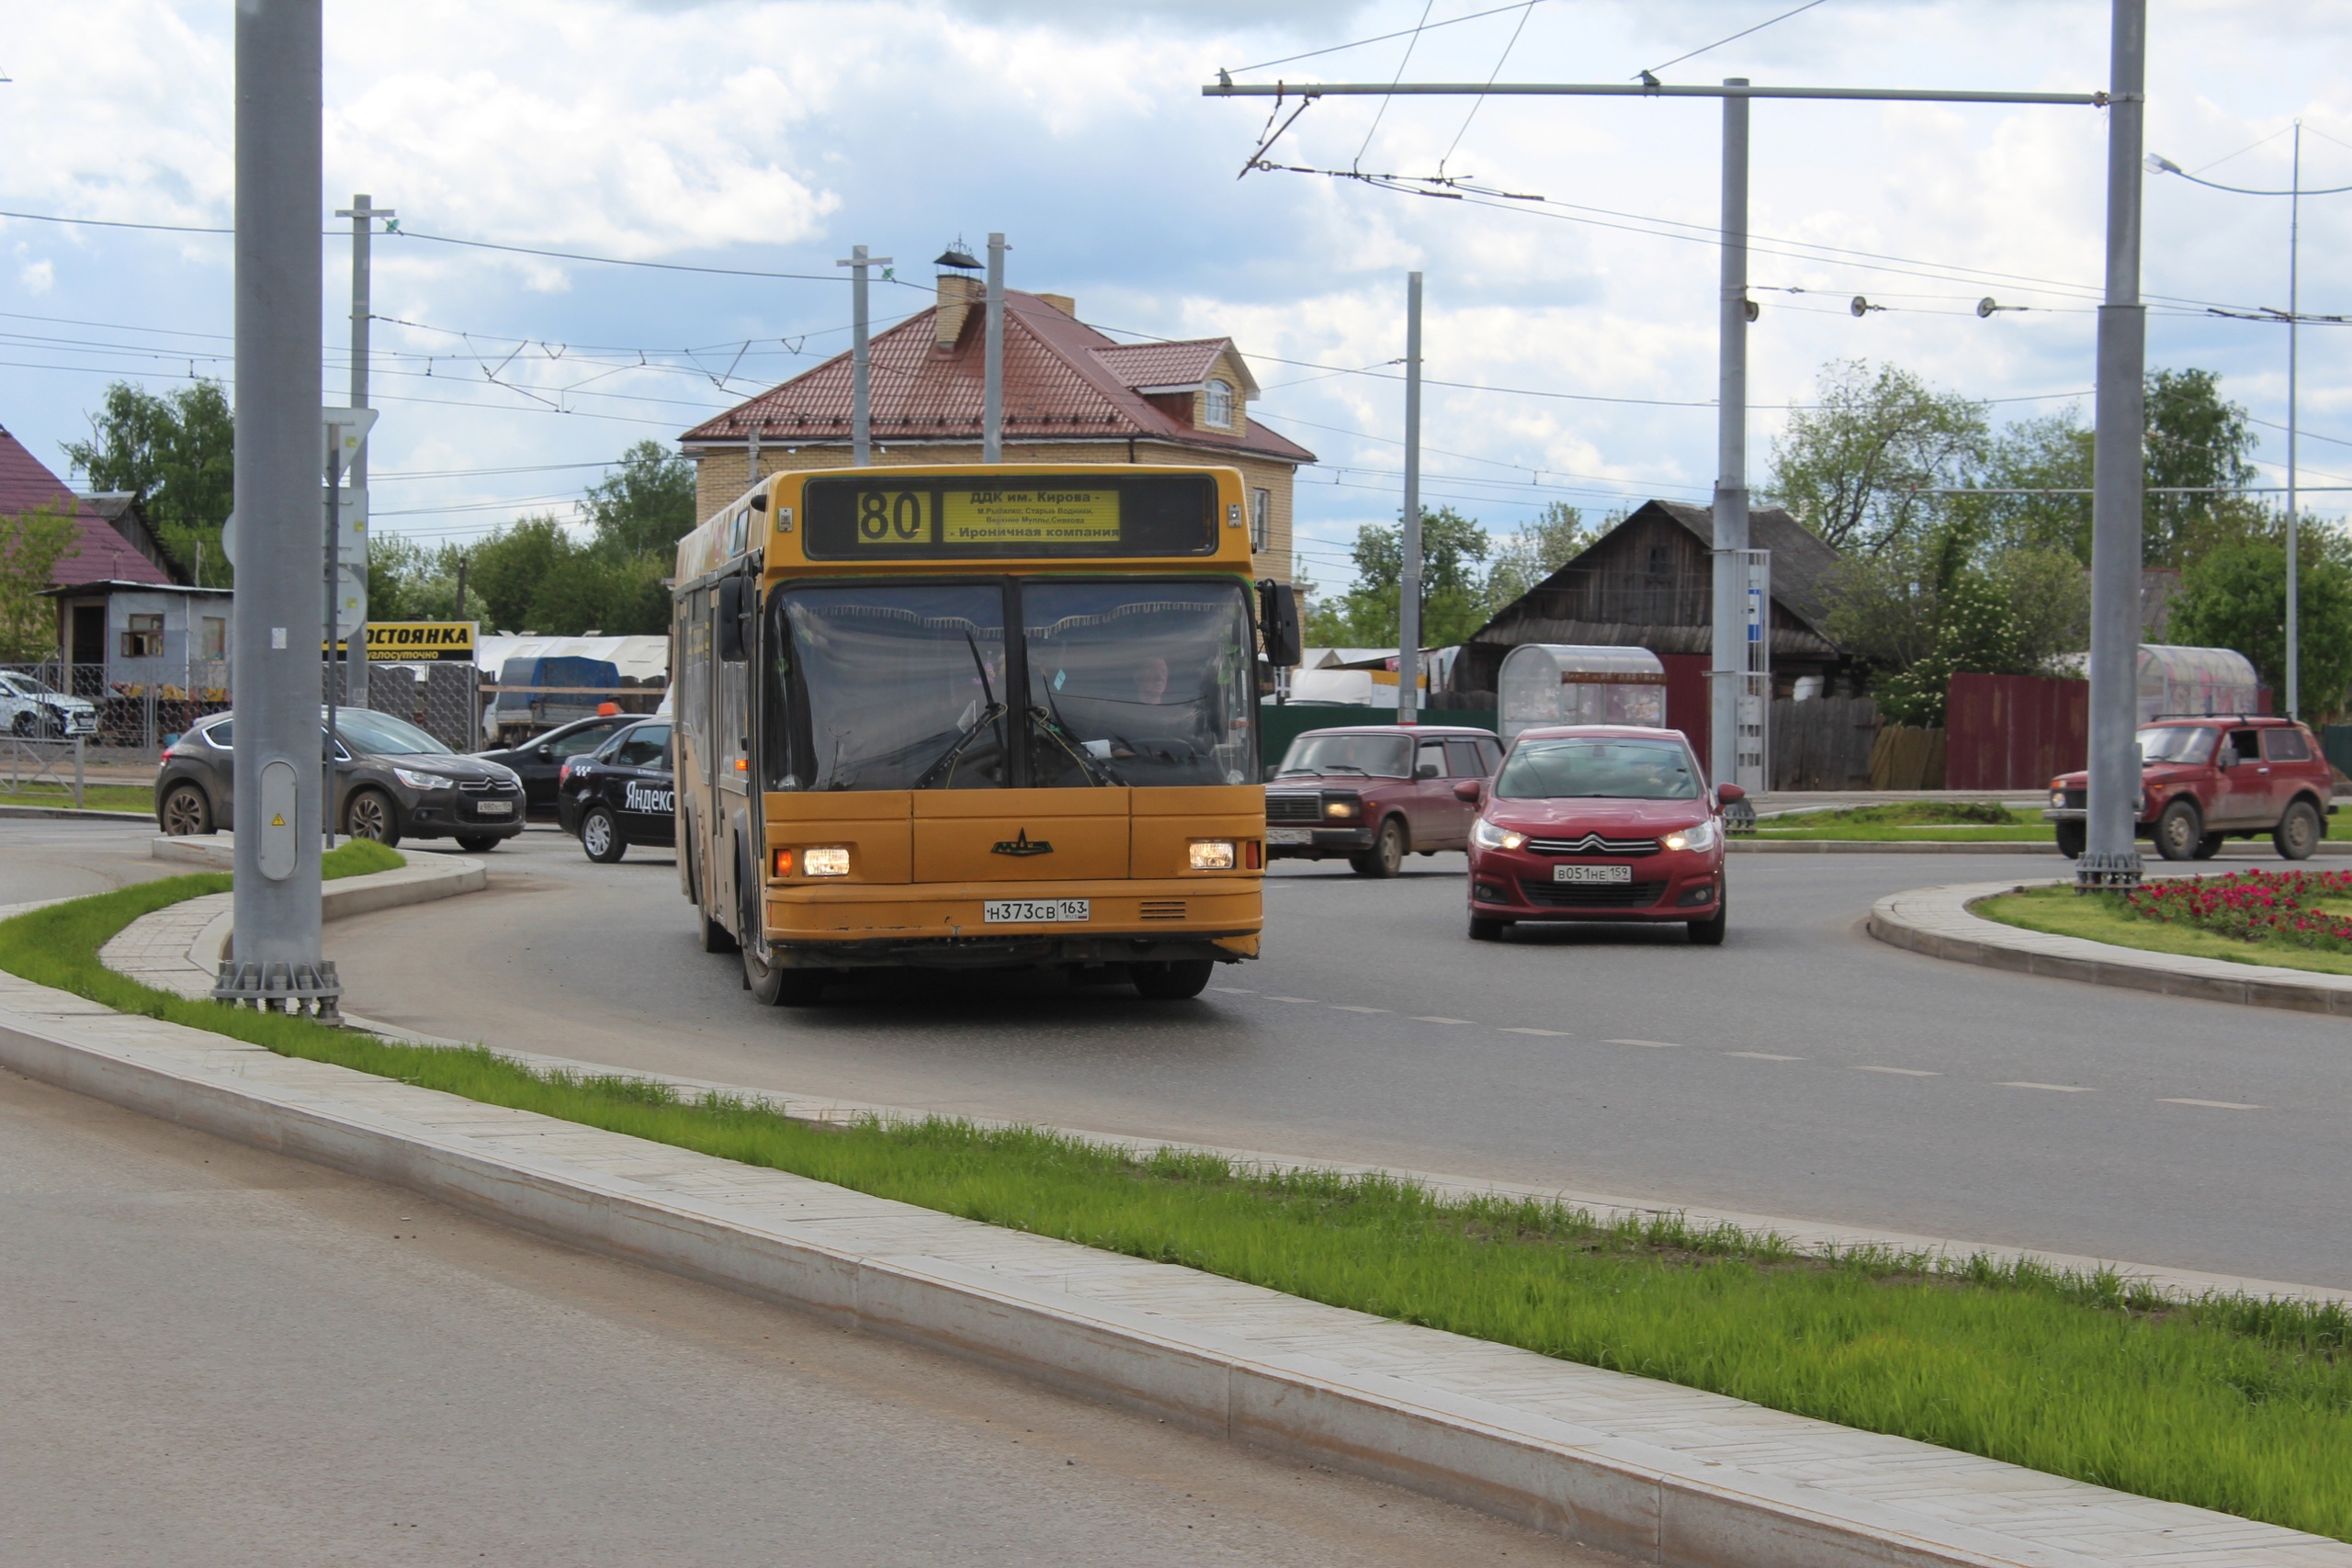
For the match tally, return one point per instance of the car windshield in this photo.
(1376, 756)
(25, 685)
(909, 687)
(1597, 769)
(2175, 743)
(381, 734)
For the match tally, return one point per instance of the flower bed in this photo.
(2284, 907)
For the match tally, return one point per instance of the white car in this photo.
(32, 709)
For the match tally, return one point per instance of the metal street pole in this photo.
(1728, 665)
(861, 386)
(2294, 325)
(1409, 586)
(362, 211)
(2110, 858)
(277, 806)
(333, 672)
(992, 387)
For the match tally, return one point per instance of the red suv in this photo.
(1371, 793)
(2204, 780)
(1599, 822)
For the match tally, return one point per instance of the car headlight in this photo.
(2057, 797)
(1342, 807)
(1212, 855)
(1699, 836)
(423, 781)
(1487, 836)
(829, 862)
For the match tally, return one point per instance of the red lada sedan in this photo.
(1599, 822)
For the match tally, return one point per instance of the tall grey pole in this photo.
(992, 389)
(277, 809)
(335, 672)
(861, 371)
(752, 454)
(2110, 858)
(2294, 325)
(362, 211)
(1409, 586)
(1728, 666)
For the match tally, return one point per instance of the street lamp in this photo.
(2159, 165)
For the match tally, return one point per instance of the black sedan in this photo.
(539, 762)
(625, 793)
(391, 781)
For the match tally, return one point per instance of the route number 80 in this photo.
(889, 519)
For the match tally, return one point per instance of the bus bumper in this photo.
(930, 926)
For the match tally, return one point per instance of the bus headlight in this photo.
(1212, 855)
(833, 861)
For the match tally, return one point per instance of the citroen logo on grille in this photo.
(1023, 845)
(1588, 843)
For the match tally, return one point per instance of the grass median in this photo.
(1934, 821)
(2228, 1403)
(95, 797)
(2103, 916)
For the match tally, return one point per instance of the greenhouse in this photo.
(1545, 682)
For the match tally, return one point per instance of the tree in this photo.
(1975, 632)
(2234, 595)
(1453, 591)
(646, 504)
(177, 453)
(1556, 537)
(1851, 469)
(31, 543)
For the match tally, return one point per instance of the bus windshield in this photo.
(909, 685)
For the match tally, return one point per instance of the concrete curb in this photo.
(1937, 921)
(1664, 1473)
(76, 812)
(1958, 847)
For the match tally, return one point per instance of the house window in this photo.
(215, 640)
(1261, 519)
(143, 638)
(1216, 405)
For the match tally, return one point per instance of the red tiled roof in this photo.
(1063, 381)
(98, 552)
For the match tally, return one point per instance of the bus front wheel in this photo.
(777, 987)
(1172, 981)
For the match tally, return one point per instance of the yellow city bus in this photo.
(943, 717)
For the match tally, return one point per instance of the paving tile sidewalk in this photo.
(1666, 1473)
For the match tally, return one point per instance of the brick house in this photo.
(1071, 395)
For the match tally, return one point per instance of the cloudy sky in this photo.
(1575, 336)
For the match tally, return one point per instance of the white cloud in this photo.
(36, 276)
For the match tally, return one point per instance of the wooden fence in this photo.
(1823, 743)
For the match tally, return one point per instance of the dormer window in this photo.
(1216, 405)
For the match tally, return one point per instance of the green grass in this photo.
(2102, 917)
(1931, 820)
(95, 797)
(2228, 1403)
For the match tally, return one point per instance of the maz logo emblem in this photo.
(1023, 845)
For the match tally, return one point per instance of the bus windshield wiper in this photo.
(1052, 727)
(964, 738)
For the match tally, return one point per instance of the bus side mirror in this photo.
(1278, 622)
(731, 619)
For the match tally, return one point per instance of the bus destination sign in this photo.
(1010, 515)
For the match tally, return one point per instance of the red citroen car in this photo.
(1598, 822)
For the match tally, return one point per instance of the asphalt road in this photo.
(221, 1356)
(1801, 1070)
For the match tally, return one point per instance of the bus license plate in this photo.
(1035, 912)
(1592, 873)
(1290, 835)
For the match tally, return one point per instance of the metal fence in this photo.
(42, 764)
(139, 703)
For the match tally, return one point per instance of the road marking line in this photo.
(1762, 1056)
(1433, 1019)
(1344, 1007)
(1653, 1044)
(2053, 1088)
(1235, 990)
(2214, 1105)
(1905, 1072)
(1308, 1000)
(1554, 1033)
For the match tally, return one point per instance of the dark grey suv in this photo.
(392, 781)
